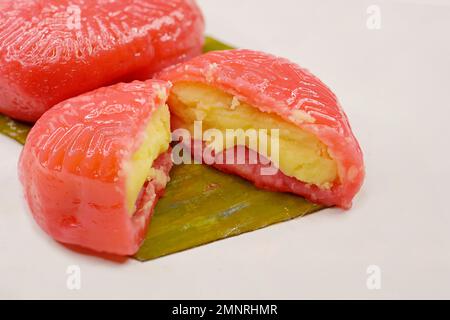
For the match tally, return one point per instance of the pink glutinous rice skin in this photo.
(278, 86)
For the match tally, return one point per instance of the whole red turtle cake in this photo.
(55, 49)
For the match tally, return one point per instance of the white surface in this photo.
(394, 86)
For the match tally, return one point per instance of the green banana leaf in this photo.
(201, 204)
(212, 44)
(14, 129)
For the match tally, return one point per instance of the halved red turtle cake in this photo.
(94, 166)
(319, 157)
(53, 50)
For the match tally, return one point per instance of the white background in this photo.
(394, 84)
